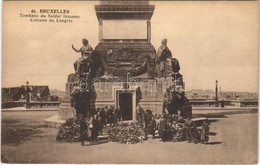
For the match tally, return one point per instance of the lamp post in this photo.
(28, 96)
(216, 93)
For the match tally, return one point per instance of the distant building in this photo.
(38, 93)
(58, 93)
(239, 95)
(12, 94)
(16, 96)
(199, 97)
(200, 94)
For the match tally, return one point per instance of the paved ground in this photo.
(233, 140)
(18, 109)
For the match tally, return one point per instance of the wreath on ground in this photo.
(69, 131)
(127, 133)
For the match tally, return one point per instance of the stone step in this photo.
(103, 137)
(54, 121)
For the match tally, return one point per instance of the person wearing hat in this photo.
(163, 60)
(86, 52)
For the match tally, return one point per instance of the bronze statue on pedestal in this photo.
(83, 64)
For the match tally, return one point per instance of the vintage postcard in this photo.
(129, 82)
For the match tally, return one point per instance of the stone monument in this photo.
(124, 70)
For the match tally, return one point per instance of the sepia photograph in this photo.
(129, 82)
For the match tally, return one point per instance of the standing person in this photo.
(139, 113)
(149, 122)
(118, 115)
(165, 128)
(143, 114)
(80, 100)
(113, 116)
(114, 121)
(178, 99)
(106, 115)
(187, 125)
(153, 126)
(102, 118)
(94, 129)
(194, 133)
(180, 96)
(205, 132)
(110, 115)
(167, 102)
(163, 60)
(73, 103)
(100, 125)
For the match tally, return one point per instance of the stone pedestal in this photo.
(65, 111)
(148, 93)
(119, 58)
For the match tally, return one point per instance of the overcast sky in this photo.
(212, 40)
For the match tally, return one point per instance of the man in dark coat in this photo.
(94, 129)
(117, 115)
(165, 128)
(100, 122)
(139, 113)
(110, 116)
(178, 99)
(103, 117)
(167, 101)
(80, 100)
(150, 123)
(106, 115)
